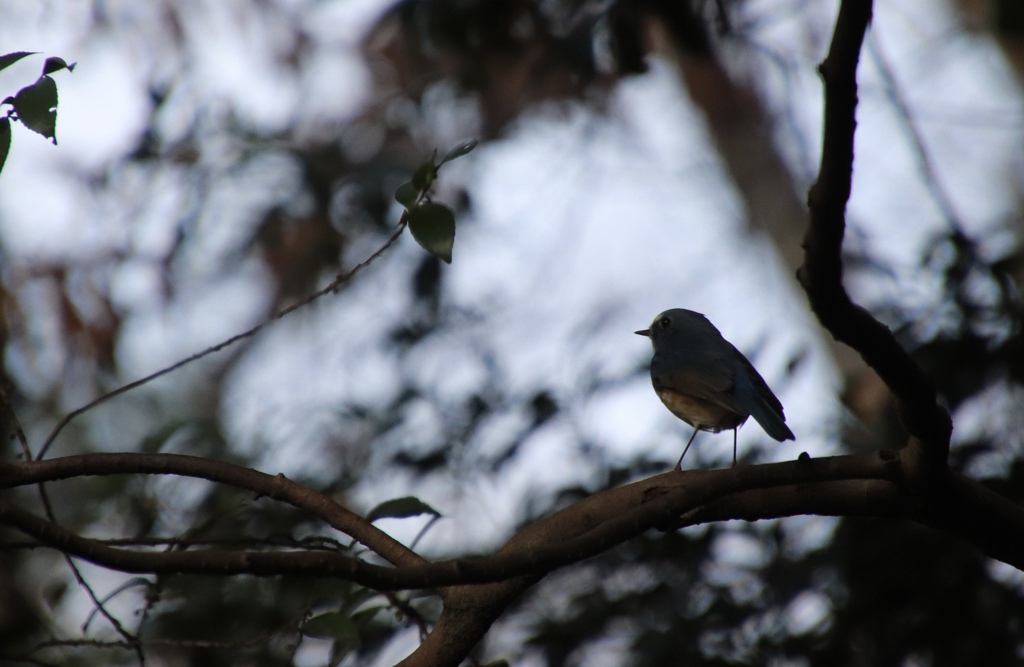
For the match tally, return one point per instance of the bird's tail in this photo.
(771, 419)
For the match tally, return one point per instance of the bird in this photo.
(705, 381)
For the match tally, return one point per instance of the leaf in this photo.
(407, 194)
(9, 59)
(340, 650)
(332, 625)
(5, 140)
(364, 616)
(36, 106)
(424, 176)
(400, 508)
(57, 64)
(459, 151)
(433, 227)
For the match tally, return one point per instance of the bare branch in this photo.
(821, 274)
(577, 532)
(277, 487)
(874, 484)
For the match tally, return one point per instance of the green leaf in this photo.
(459, 151)
(36, 106)
(57, 64)
(340, 650)
(407, 194)
(5, 140)
(364, 616)
(332, 625)
(433, 227)
(400, 508)
(424, 176)
(9, 59)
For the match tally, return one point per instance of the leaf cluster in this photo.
(431, 224)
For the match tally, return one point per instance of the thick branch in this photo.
(873, 484)
(578, 532)
(821, 274)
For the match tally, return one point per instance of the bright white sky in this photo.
(584, 228)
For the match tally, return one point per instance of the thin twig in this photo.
(924, 159)
(255, 640)
(19, 432)
(97, 603)
(331, 288)
(410, 612)
(312, 543)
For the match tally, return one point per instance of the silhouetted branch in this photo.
(872, 484)
(277, 487)
(822, 272)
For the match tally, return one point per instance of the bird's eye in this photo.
(664, 322)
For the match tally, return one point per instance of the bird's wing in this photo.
(756, 398)
(703, 377)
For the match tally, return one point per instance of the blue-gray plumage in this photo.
(705, 381)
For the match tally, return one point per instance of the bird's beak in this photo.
(645, 332)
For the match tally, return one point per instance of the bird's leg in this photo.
(679, 465)
(734, 447)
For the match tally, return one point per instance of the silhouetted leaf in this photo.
(9, 59)
(459, 151)
(332, 625)
(424, 176)
(400, 508)
(433, 227)
(5, 140)
(407, 194)
(57, 64)
(36, 106)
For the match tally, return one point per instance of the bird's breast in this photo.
(699, 413)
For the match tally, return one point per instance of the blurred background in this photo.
(218, 161)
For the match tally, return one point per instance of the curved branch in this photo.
(821, 273)
(480, 589)
(580, 531)
(277, 487)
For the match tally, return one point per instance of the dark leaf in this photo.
(400, 508)
(433, 227)
(407, 194)
(364, 616)
(57, 64)
(36, 106)
(5, 140)
(342, 647)
(459, 151)
(9, 59)
(425, 176)
(332, 625)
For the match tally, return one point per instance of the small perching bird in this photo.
(705, 381)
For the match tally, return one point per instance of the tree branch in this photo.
(277, 487)
(479, 589)
(821, 274)
(580, 531)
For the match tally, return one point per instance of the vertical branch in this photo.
(821, 274)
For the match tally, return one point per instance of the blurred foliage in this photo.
(870, 593)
